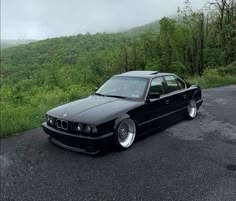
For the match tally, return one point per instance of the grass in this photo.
(30, 113)
(208, 83)
(212, 78)
(21, 118)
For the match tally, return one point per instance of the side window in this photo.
(157, 85)
(180, 83)
(171, 83)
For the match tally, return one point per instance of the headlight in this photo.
(86, 128)
(79, 127)
(49, 119)
(94, 129)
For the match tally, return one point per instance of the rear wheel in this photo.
(125, 134)
(191, 110)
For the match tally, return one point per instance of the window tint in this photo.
(129, 87)
(157, 85)
(171, 83)
(180, 83)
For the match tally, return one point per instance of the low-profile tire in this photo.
(125, 134)
(191, 110)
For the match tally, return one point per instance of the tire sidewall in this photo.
(115, 136)
(187, 115)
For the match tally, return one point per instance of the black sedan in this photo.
(127, 105)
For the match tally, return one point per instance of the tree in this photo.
(195, 21)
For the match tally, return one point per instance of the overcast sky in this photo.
(40, 19)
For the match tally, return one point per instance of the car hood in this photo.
(94, 109)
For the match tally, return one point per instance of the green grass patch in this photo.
(29, 112)
(213, 78)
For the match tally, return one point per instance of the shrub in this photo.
(230, 69)
(213, 78)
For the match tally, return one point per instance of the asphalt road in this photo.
(191, 160)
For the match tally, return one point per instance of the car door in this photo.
(184, 93)
(175, 93)
(154, 109)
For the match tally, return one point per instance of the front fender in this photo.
(120, 119)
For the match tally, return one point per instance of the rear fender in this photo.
(197, 94)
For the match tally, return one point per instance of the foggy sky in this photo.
(40, 19)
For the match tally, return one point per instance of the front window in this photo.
(124, 87)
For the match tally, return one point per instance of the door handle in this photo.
(167, 102)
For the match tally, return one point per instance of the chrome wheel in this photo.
(192, 109)
(126, 133)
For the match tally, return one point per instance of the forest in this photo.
(199, 45)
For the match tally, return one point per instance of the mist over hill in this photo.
(149, 27)
(12, 43)
(46, 19)
(152, 27)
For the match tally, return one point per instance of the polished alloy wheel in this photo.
(126, 133)
(192, 109)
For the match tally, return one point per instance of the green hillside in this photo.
(43, 74)
(12, 43)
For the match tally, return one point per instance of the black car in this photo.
(127, 105)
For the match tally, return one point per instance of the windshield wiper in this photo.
(115, 96)
(98, 94)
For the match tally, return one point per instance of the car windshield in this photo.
(124, 87)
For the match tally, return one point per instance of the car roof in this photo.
(144, 74)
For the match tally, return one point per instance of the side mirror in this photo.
(154, 95)
(95, 89)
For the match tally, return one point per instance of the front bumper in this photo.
(78, 143)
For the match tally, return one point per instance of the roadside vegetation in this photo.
(197, 45)
(215, 77)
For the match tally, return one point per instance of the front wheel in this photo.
(125, 134)
(191, 110)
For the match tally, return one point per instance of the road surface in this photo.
(190, 160)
